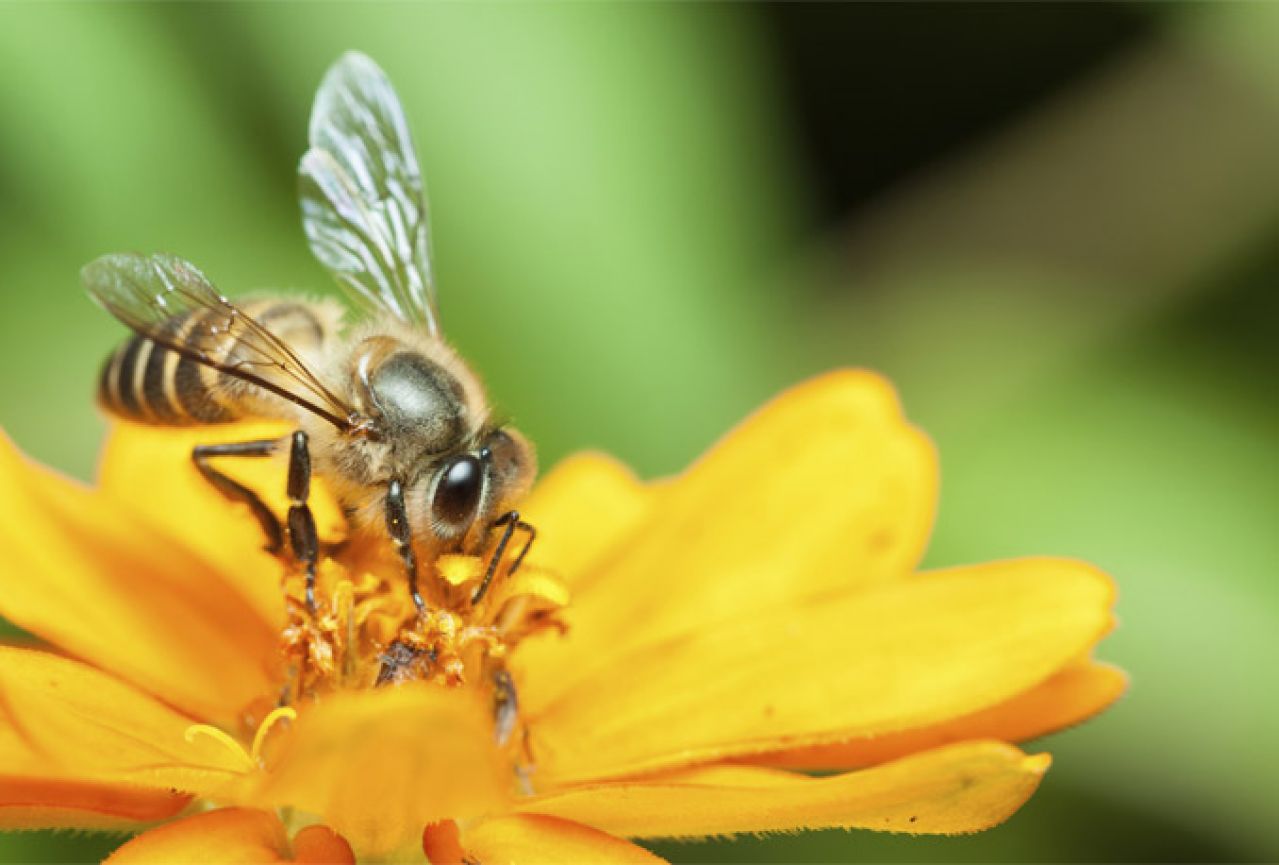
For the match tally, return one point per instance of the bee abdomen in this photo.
(143, 381)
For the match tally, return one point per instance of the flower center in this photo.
(366, 632)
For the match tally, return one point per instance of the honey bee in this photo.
(386, 411)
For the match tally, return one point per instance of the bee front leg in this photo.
(303, 537)
(397, 525)
(509, 522)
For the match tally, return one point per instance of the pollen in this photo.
(367, 632)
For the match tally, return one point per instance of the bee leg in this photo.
(397, 525)
(530, 532)
(506, 721)
(506, 706)
(510, 522)
(302, 534)
(237, 492)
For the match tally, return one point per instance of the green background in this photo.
(641, 234)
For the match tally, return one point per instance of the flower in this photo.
(675, 650)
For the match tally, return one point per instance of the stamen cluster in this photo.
(366, 632)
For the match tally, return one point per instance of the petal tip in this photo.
(1102, 580)
(1037, 764)
(854, 379)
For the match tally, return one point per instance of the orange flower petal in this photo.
(320, 845)
(379, 765)
(43, 803)
(234, 836)
(442, 843)
(540, 840)
(582, 509)
(1071, 696)
(74, 720)
(224, 533)
(83, 574)
(827, 487)
(960, 788)
(905, 655)
(228, 836)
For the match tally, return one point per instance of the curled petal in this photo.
(827, 488)
(380, 765)
(532, 589)
(1073, 695)
(233, 836)
(960, 788)
(531, 839)
(906, 655)
(90, 578)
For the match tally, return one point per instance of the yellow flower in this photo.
(674, 648)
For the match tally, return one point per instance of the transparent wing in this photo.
(169, 301)
(363, 203)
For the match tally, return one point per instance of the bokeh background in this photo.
(1055, 227)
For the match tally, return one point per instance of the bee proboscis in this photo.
(385, 411)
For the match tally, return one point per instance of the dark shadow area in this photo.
(878, 90)
(1233, 316)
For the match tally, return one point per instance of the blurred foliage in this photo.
(649, 218)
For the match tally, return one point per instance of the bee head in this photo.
(433, 421)
(466, 492)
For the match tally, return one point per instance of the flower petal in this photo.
(905, 655)
(1071, 696)
(320, 845)
(188, 508)
(379, 765)
(83, 574)
(960, 788)
(44, 803)
(827, 487)
(233, 836)
(228, 836)
(531, 839)
(581, 509)
(73, 720)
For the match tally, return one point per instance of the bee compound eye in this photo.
(457, 494)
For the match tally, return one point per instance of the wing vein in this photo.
(363, 200)
(147, 293)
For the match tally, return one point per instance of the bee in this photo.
(385, 410)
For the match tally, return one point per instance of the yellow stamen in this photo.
(222, 738)
(259, 738)
(344, 603)
(251, 759)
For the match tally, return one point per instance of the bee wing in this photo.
(363, 201)
(149, 293)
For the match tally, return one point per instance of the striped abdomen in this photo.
(145, 382)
